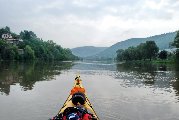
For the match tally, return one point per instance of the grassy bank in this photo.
(158, 61)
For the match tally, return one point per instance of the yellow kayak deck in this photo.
(68, 102)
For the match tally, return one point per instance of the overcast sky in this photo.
(73, 23)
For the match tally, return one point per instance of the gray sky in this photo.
(73, 23)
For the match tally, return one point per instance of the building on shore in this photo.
(14, 41)
(9, 39)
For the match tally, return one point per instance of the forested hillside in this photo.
(162, 41)
(27, 46)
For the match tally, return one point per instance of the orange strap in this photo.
(77, 89)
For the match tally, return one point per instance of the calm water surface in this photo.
(132, 91)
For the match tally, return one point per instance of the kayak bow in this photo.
(78, 87)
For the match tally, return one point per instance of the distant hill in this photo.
(162, 42)
(87, 51)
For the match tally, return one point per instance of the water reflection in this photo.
(176, 80)
(95, 65)
(140, 70)
(27, 74)
(135, 91)
(158, 76)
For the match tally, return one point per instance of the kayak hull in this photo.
(87, 105)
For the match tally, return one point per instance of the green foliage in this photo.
(4, 30)
(120, 53)
(27, 35)
(10, 54)
(28, 53)
(34, 48)
(177, 55)
(151, 49)
(176, 44)
(176, 40)
(163, 55)
(6, 50)
(143, 51)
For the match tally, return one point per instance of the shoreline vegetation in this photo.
(154, 61)
(149, 52)
(26, 46)
(157, 61)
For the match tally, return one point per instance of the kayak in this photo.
(72, 101)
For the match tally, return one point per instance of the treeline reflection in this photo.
(26, 74)
(159, 76)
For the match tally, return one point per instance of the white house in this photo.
(8, 37)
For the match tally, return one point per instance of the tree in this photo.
(15, 49)
(177, 54)
(120, 54)
(176, 44)
(152, 49)
(133, 53)
(9, 53)
(4, 49)
(163, 55)
(176, 40)
(4, 31)
(28, 53)
(126, 55)
(34, 47)
(143, 51)
(27, 35)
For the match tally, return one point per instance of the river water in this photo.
(128, 91)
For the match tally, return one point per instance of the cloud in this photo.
(73, 23)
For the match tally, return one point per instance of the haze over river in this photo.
(130, 91)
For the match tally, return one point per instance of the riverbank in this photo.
(156, 61)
